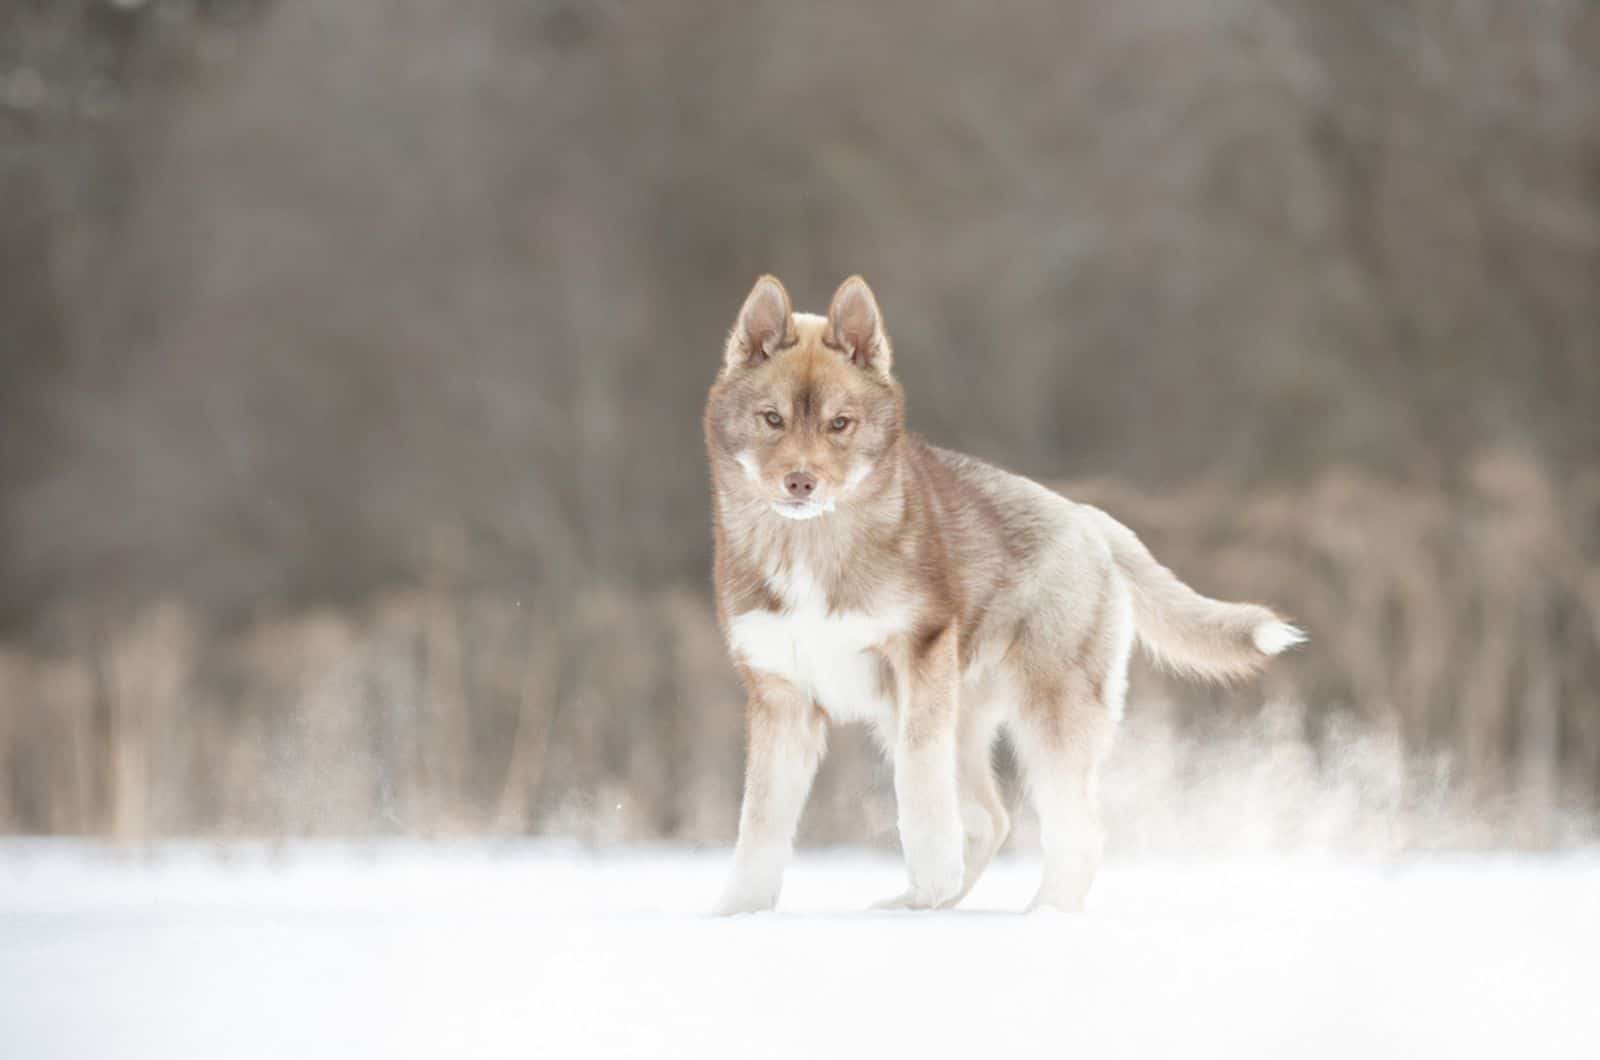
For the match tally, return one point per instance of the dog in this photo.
(863, 575)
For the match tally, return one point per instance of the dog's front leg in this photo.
(925, 773)
(786, 736)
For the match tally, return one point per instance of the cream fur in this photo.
(933, 596)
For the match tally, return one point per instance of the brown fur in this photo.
(982, 597)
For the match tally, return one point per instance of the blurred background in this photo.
(351, 478)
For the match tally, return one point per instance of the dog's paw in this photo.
(940, 889)
(939, 883)
(737, 900)
(1068, 903)
(915, 900)
(903, 900)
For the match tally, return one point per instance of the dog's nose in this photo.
(800, 483)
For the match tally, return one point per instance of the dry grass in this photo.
(1448, 696)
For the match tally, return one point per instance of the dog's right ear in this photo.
(765, 326)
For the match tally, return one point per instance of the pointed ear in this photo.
(855, 326)
(765, 326)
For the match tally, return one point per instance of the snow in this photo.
(412, 950)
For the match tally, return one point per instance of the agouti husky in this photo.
(864, 575)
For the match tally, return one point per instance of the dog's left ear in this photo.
(855, 326)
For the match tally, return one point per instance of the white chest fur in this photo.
(828, 655)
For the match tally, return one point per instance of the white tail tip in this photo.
(1272, 638)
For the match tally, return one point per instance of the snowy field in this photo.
(538, 951)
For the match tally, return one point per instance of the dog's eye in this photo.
(773, 419)
(840, 423)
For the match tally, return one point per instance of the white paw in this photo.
(917, 900)
(937, 885)
(902, 900)
(739, 899)
(1067, 903)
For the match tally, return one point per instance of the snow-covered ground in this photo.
(538, 951)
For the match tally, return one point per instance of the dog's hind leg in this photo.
(1060, 745)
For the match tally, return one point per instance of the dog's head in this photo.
(804, 408)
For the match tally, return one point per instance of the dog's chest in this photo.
(827, 654)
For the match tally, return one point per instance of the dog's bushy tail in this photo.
(1186, 631)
